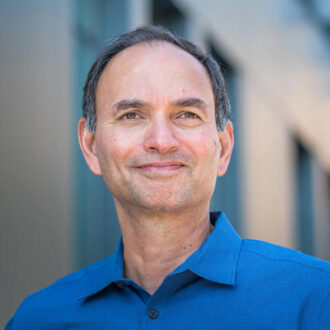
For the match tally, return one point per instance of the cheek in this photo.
(206, 145)
(106, 147)
(114, 148)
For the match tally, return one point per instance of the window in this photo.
(227, 192)
(304, 200)
(166, 14)
(97, 229)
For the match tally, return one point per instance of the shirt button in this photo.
(120, 284)
(153, 314)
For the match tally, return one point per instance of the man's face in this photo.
(156, 143)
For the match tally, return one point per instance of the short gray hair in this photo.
(150, 34)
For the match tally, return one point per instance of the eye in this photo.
(188, 119)
(130, 116)
(189, 115)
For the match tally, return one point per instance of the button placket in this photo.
(153, 313)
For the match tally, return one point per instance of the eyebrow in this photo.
(128, 104)
(181, 103)
(191, 102)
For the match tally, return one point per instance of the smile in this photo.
(161, 167)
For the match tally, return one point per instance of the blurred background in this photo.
(57, 217)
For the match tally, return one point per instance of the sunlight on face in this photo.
(156, 139)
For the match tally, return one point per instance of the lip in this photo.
(158, 167)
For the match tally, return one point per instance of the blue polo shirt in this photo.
(229, 283)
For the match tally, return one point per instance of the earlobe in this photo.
(88, 147)
(226, 138)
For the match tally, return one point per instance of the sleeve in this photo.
(26, 317)
(325, 316)
(14, 322)
(11, 324)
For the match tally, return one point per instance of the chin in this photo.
(162, 209)
(161, 202)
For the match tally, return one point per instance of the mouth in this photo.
(167, 167)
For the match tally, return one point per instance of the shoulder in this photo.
(277, 256)
(45, 303)
(293, 279)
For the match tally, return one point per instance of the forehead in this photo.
(151, 68)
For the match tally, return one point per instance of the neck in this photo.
(155, 245)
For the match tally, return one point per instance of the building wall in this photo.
(267, 165)
(282, 65)
(36, 141)
(281, 78)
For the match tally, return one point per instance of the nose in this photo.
(160, 136)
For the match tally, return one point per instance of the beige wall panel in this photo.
(279, 48)
(267, 170)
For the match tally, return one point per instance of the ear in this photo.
(87, 145)
(226, 138)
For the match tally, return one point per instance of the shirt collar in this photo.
(215, 260)
(110, 271)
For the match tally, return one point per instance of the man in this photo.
(156, 126)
